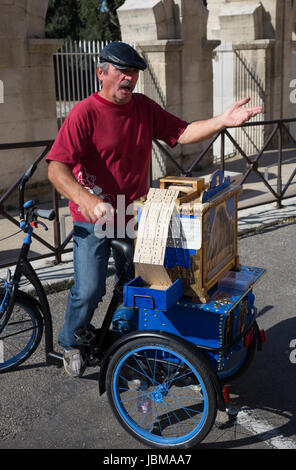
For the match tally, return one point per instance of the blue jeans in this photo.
(90, 256)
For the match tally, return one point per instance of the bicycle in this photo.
(23, 317)
(163, 385)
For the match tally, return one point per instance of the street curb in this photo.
(261, 227)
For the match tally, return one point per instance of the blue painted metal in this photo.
(213, 326)
(28, 204)
(28, 237)
(217, 184)
(137, 295)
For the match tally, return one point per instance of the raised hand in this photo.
(236, 115)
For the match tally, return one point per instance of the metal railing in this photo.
(252, 162)
(75, 73)
(248, 83)
(279, 128)
(57, 248)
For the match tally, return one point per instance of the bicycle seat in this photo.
(126, 247)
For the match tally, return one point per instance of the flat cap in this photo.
(122, 55)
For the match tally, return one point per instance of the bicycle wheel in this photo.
(161, 393)
(21, 335)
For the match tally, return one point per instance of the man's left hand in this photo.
(236, 115)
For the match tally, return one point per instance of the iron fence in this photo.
(248, 83)
(57, 248)
(75, 73)
(75, 68)
(235, 77)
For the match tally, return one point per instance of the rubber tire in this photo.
(33, 342)
(175, 347)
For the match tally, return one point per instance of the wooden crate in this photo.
(211, 209)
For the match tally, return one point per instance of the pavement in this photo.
(42, 408)
(51, 411)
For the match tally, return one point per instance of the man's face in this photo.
(118, 85)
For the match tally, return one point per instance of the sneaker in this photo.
(74, 364)
(187, 382)
(196, 388)
(134, 384)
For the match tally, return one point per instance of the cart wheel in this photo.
(161, 393)
(238, 362)
(21, 336)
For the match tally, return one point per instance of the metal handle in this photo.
(144, 296)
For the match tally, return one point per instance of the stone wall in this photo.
(28, 112)
(266, 29)
(261, 36)
(177, 37)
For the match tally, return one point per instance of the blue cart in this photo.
(169, 373)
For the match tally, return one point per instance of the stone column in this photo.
(28, 112)
(162, 82)
(197, 72)
(171, 34)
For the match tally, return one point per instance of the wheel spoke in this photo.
(170, 412)
(20, 337)
(141, 367)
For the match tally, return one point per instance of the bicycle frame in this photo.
(24, 268)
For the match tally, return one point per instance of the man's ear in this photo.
(100, 72)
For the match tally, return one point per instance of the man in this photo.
(102, 151)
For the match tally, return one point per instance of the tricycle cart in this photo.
(192, 313)
(165, 356)
(166, 379)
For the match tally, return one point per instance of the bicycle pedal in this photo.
(84, 337)
(93, 361)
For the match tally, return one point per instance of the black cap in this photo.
(122, 55)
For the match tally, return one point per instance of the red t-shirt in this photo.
(109, 146)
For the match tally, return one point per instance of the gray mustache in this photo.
(126, 84)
